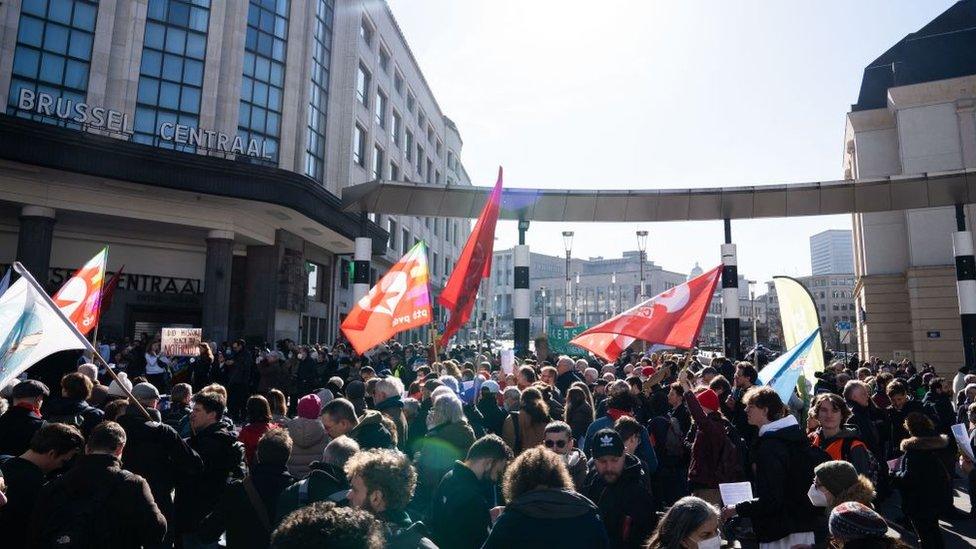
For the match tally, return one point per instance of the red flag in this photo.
(108, 292)
(399, 301)
(78, 297)
(673, 317)
(474, 264)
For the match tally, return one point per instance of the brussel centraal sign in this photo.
(118, 122)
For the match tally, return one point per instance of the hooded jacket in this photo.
(783, 476)
(403, 533)
(549, 518)
(493, 414)
(371, 432)
(17, 425)
(325, 482)
(237, 515)
(922, 477)
(223, 460)
(436, 454)
(392, 408)
(626, 506)
(460, 508)
(74, 412)
(308, 439)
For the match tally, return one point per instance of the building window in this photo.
(394, 171)
(171, 76)
(450, 160)
(362, 85)
(380, 111)
(391, 228)
(421, 122)
(408, 146)
(411, 101)
(396, 128)
(455, 227)
(313, 279)
(430, 134)
(398, 81)
(366, 31)
(437, 177)
(447, 266)
(384, 60)
(420, 160)
(439, 147)
(378, 163)
(435, 264)
(53, 52)
(345, 273)
(430, 166)
(264, 74)
(319, 98)
(405, 242)
(359, 146)
(437, 226)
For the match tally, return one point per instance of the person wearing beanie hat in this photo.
(836, 482)
(325, 396)
(853, 521)
(115, 389)
(708, 400)
(308, 436)
(704, 471)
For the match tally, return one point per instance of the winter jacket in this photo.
(17, 426)
(475, 419)
(857, 454)
(579, 420)
(530, 434)
(174, 415)
(494, 415)
(72, 412)
(626, 506)
(24, 481)
(783, 475)
(436, 455)
(250, 435)
(236, 514)
(566, 379)
(645, 451)
(939, 408)
(867, 419)
(241, 369)
(460, 510)
(706, 446)
(392, 408)
(922, 477)
(308, 439)
(325, 482)
(371, 432)
(417, 427)
(273, 376)
(223, 460)
(549, 518)
(896, 427)
(155, 452)
(127, 517)
(402, 533)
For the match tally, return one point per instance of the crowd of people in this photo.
(302, 446)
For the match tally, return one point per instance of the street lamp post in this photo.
(544, 315)
(568, 244)
(613, 292)
(576, 300)
(642, 248)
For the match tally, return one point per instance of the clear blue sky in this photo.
(651, 94)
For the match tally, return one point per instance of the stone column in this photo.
(216, 284)
(34, 240)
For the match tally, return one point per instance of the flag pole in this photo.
(22, 271)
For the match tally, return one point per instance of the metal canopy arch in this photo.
(867, 195)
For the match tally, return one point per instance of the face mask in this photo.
(711, 543)
(817, 498)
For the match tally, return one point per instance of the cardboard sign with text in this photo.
(181, 341)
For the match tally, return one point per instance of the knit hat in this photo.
(115, 390)
(90, 371)
(708, 399)
(450, 381)
(853, 520)
(325, 396)
(491, 386)
(144, 391)
(309, 407)
(836, 476)
(607, 442)
(648, 371)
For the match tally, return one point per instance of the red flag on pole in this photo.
(399, 301)
(474, 264)
(672, 318)
(79, 296)
(105, 298)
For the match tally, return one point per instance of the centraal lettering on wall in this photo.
(118, 122)
(181, 341)
(138, 282)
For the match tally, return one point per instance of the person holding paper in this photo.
(923, 480)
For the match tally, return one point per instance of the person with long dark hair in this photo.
(691, 523)
(526, 427)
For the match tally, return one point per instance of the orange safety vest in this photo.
(836, 449)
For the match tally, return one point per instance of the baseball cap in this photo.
(607, 442)
(30, 388)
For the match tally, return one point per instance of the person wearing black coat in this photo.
(901, 406)
(215, 441)
(247, 508)
(72, 407)
(156, 452)
(19, 423)
(621, 489)
(781, 510)
(488, 406)
(938, 406)
(117, 504)
(923, 480)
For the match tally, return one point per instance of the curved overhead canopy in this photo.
(790, 200)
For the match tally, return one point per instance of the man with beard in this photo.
(460, 513)
(618, 485)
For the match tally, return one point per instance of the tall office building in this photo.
(207, 143)
(832, 252)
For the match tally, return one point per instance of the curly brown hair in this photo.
(766, 398)
(834, 400)
(388, 471)
(535, 468)
(343, 527)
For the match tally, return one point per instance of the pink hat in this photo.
(707, 399)
(309, 407)
(648, 371)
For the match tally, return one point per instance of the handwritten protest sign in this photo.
(181, 341)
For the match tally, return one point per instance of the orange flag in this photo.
(79, 297)
(399, 301)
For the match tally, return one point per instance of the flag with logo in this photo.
(799, 316)
(474, 264)
(79, 297)
(399, 301)
(107, 293)
(31, 330)
(673, 318)
(783, 373)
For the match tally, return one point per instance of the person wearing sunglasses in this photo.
(559, 439)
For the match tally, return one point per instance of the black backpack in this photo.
(71, 523)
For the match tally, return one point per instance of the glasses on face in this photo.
(556, 443)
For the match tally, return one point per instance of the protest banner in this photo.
(181, 341)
